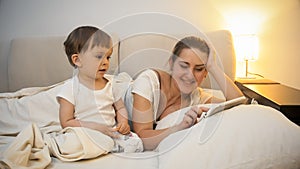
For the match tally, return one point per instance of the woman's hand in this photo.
(190, 117)
(123, 128)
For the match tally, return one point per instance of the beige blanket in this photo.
(28, 150)
(31, 149)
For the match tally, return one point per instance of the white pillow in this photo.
(30, 105)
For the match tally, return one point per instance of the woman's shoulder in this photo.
(162, 73)
(158, 72)
(163, 76)
(147, 73)
(154, 73)
(148, 77)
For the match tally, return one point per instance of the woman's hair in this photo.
(189, 42)
(81, 38)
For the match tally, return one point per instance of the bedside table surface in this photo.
(277, 93)
(255, 81)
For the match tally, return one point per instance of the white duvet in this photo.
(246, 136)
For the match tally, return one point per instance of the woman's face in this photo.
(189, 69)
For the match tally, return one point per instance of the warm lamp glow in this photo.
(246, 47)
(243, 20)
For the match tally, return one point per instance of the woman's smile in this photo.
(187, 82)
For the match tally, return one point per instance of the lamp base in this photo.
(246, 72)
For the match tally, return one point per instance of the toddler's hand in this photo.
(123, 128)
(107, 130)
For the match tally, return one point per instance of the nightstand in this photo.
(273, 94)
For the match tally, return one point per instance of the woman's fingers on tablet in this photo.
(192, 116)
(204, 109)
(200, 110)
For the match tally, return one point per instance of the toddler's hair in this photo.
(83, 37)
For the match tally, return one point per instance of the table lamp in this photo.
(246, 47)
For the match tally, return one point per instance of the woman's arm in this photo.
(142, 119)
(227, 86)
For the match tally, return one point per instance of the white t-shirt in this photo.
(90, 105)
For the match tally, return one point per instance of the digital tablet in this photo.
(215, 108)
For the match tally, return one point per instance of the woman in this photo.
(156, 93)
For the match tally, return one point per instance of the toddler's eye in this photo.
(99, 56)
(184, 66)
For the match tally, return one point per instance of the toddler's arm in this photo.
(121, 117)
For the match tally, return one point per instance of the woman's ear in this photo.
(76, 60)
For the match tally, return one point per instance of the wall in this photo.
(59, 17)
(280, 54)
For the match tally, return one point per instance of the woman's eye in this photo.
(200, 69)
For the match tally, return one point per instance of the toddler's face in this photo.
(95, 61)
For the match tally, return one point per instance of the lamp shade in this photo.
(246, 47)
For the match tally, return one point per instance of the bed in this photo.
(246, 136)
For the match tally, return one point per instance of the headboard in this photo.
(41, 61)
(153, 50)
